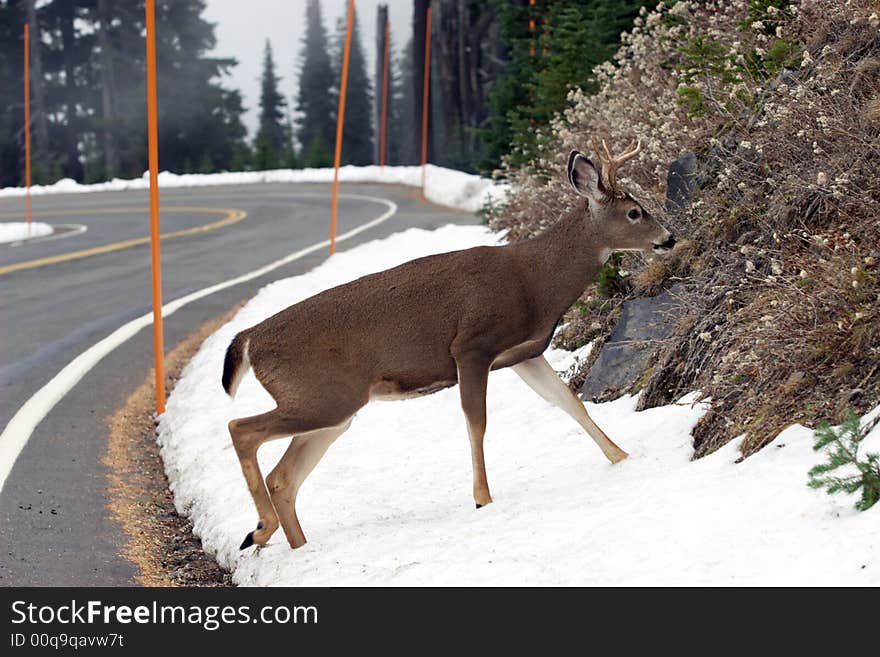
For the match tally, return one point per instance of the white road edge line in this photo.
(17, 433)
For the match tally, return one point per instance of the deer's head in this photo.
(626, 225)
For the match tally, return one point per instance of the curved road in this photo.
(55, 529)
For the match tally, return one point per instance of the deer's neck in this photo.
(563, 260)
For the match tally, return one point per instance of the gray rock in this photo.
(645, 324)
(681, 182)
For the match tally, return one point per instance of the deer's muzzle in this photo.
(666, 246)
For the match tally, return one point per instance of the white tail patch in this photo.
(239, 372)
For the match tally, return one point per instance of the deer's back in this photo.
(401, 326)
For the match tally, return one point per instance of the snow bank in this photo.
(14, 231)
(448, 187)
(390, 504)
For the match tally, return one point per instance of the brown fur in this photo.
(417, 328)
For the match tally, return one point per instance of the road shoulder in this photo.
(158, 540)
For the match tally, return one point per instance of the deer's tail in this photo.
(235, 364)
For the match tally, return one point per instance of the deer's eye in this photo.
(634, 215)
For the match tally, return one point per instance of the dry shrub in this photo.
(781, 103)
(872, 110)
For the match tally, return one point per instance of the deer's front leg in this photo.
(473, 375)
(543, 379)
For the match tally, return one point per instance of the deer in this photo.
(426, 325)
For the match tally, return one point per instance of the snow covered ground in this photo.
(448, 187)
(390, 504)
(14, 231)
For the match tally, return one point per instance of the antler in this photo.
(611, 163)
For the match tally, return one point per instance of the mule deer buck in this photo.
(423, 326)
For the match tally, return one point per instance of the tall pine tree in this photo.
(404, 131)
(89, 114)
(316, 124)
(399, 133)
(357, 140)
(74, 90)
(201, 128)
(416, 73)
(467, 56)
(11, 85)
(120, 69)
(569, 40)
(40, 127)
(272, 143)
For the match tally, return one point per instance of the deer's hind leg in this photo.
(314, 416)
(301, 457)
(248, 433)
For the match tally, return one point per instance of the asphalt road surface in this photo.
(55, 529)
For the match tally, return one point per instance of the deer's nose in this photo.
(665, 246)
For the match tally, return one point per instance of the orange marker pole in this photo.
(532, 37)
(156, 263)
(531, 29)
(384, 97)
(425, 95)
(340, 120)
(27, 125)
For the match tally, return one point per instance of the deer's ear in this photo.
(584, 177)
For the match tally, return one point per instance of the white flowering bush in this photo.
(780, 102)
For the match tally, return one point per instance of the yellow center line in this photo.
(231, 216)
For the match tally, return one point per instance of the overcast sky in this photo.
(242, 29)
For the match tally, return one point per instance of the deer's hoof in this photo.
(617, 458)
(249, 539)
